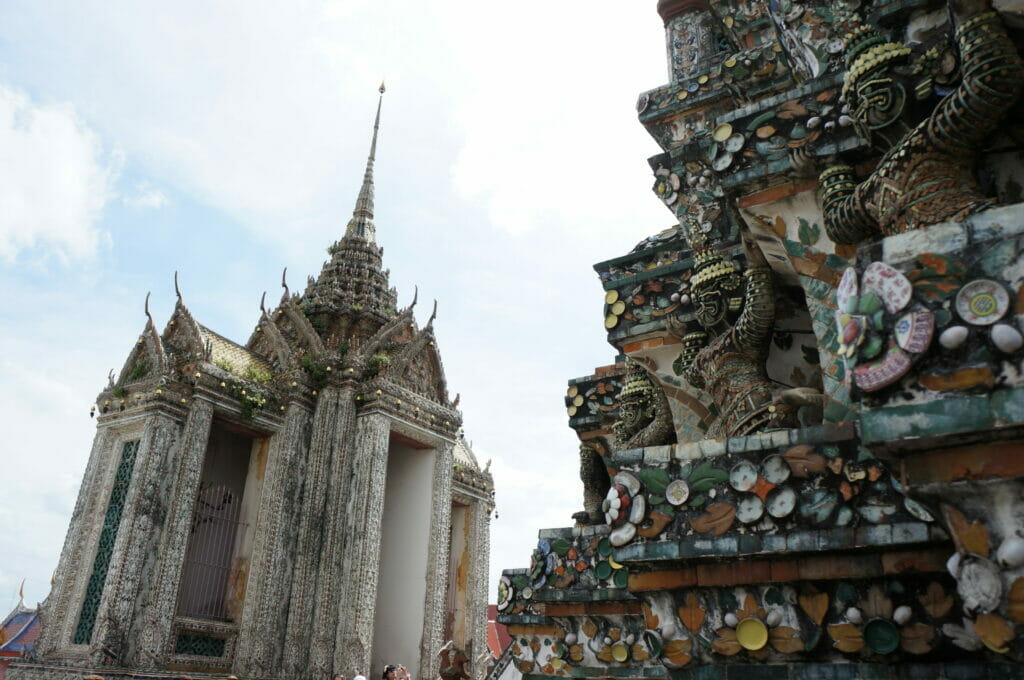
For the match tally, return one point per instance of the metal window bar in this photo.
(208, 569)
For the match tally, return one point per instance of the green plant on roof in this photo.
(258, 375)
(377, 363)
(224, 364)
(316, 370)
(139, 371)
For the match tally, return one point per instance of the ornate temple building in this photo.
(809, 462)
(294, 507)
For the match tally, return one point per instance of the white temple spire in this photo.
(361, 224)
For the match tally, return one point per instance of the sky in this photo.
(227, 140)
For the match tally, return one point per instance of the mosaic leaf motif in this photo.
(803, 461)
(846, 637)
(750, 608)
(638, 652)
(936, 601)
(692, 614)
(808, 232)
(917, 638)
(654, 479)
(659, 521)
(677, 652)
(785, 640)
(1015, 599)
(972, 537)
(963, 636)
(994, 631)
(815, 606)
(718, 519)
(651, 620)
(704, 476)
(726, 642)
(876, 604)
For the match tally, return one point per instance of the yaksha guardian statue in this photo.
(731, 365)
(927, 172)
(645, 418)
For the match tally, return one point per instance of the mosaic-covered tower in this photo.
(295, 507)
(808, 463)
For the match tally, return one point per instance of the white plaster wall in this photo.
(405, 538)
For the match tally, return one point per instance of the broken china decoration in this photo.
(887, 321)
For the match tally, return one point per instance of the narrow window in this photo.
(108, 536)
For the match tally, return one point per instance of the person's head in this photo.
(389, 672)
(338, 676)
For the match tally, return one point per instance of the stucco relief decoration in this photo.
(624, 508)
(927, 173)
(990, 585)
(736, 314)
(888, 321)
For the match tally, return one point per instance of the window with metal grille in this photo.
(108, 535)
(197, 644)
(211, 557)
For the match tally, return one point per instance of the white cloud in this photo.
(54, 180)
(146, 196)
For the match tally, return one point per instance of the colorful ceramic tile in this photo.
(914, 331)
(982, 302)
(890, 285)
(893, 365)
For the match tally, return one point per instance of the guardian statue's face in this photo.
(880, 108)
(711, 308)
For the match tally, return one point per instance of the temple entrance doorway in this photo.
(405, 547)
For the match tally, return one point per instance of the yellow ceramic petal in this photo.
(611, 297)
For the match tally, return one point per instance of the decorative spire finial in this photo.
(177, 291)
(361, 224)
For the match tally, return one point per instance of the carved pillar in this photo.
(142, 524)
(261, 636)
(309, 541)
(480, 551)
(61, 612)
(162, 595)
(364, 507)
(689, 35)
(336, 539)
(437, 563)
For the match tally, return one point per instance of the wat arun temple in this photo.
(805, 460)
